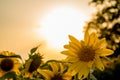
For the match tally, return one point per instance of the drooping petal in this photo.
(74, 66)
(72, 59)
(67, 76)
(54, 67)
(46, 73)
(83, 70)
(61, 68)
(98, 63)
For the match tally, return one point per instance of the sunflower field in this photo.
(85, 60)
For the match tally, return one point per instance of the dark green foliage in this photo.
(13, 56)
(108, 73)
(9, 75)
(33, 50)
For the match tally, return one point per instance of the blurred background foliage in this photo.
(106, 22)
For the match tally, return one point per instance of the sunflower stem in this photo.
(88, 78)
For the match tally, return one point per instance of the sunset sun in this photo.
(61, 21)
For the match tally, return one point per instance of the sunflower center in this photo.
(87, 54)
(34, 65)
(7, 64)
(57, 77)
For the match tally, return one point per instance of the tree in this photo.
(106, 21)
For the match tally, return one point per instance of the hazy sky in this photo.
(20, 19)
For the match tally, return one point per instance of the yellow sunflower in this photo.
(85, 54)
(57, 72)
(31, 65)
(9, 63)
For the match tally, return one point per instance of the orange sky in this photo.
(19, 20)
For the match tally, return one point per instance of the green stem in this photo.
(88, 78)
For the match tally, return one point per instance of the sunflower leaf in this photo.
(9, 75)
(16, 56)
(3, 56)
(33, 50)
(92, 77)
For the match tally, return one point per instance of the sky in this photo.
(25, 24)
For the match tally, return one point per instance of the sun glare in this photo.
(61, 21)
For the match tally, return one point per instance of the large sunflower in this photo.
(8, 63)
(85, 54)
(32, 64)
(58, 72)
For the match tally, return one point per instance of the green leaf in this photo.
(15, 56)
(9, 75)
(92, 77)
(33, 50)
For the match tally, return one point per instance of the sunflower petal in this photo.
(73, 45)
(98, 63)
(104, 52)
(46, 73)
(86, 38)
(72, 59)
(92, 39)
(66, 46)
(67, 52)
(82, 71)
(74, 40)
(54, 67)
(67, 76)
(61, 68)
(101, 43)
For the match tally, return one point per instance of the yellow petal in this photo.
(67, 52)
(86, 38)
(98, 63)
(74, 40)
(83, 70)
(92, 39)
(104, 52)
(73, 45)
(67, 76)
(73, 50)
(66, 46)
(73, 67)
(95, 41)
(61, 68)
(72, 59)
(54, 67)
(46, 73)
(101, 43)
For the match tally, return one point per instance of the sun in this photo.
(61, 21)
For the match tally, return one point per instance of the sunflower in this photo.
(58, 72)
(85, 54)
(32, 64)
(8, 64)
